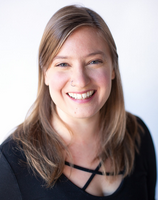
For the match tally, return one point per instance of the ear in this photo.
(46, 79)
(113, 74)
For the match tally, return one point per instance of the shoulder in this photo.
(139, 133)
(142, 124)
(8, 147)
(147, 151)
(7, 144)
(11, 150)
(146, 137)
(9, 188)
(13, 154)
(146, 158)
(146, 141)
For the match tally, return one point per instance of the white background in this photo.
(134, 25)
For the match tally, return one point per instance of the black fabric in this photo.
(91, 177)
(9, 187)
(85, 169)
(92, 171)
(17, 179)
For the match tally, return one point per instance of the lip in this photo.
(82, 91)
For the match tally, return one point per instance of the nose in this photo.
(80, 76)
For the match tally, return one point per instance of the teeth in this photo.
(81, 96)
(75, 96)
(84, 95)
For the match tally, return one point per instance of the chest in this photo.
(93, 181)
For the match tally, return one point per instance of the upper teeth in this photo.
(81, 96)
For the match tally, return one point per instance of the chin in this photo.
(83, 116)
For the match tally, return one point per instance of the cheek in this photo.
(57, 81)
(103, 78)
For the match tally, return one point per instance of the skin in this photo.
(84, 59)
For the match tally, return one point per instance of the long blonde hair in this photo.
(41, 144)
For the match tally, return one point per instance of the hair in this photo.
(41, 144)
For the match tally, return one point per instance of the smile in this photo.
(81, 96)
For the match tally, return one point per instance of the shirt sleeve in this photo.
(148, 151)
(9, 189)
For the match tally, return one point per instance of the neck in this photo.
(78, 129)
(81, 137)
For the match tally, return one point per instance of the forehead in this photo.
(84, 40)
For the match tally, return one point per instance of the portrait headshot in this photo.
(79, 95)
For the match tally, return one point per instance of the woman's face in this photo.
(80, 76)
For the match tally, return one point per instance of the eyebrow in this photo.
(89, 55)
(96, 53)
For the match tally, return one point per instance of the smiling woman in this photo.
(89, 65)
(78, 140)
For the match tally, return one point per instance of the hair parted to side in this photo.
(42, 146)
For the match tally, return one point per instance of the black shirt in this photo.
(17, 182)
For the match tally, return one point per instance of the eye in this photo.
(62, 65)
(95, 62)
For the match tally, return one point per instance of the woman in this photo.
(78, 142)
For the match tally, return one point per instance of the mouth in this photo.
(85, 95)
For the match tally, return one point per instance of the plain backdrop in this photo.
(134, 25)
